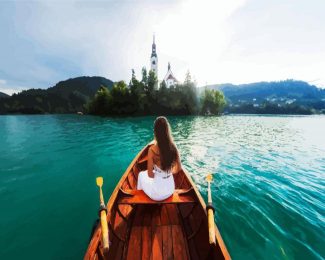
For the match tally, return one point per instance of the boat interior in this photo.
(140, 228)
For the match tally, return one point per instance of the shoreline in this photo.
(138, 116)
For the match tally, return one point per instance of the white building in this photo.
(169, 79)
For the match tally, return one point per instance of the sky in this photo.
(218, 41)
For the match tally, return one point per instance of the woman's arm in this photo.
(150, 163)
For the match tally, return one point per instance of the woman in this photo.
(163, 161)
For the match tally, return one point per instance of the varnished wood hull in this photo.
(156, 231)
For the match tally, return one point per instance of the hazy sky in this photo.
(236, 41)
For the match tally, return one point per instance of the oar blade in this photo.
(209, 177)
(99, 181)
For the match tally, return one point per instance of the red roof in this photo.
(171, 77)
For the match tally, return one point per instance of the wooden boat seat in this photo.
(139, 197)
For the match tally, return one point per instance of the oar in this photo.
(210, 210)
(103, 214)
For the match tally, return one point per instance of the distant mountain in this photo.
(67, 96)
(70, 96)
(84, 86)
(280, 95)
(3, 95)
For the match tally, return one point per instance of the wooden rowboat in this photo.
(140, 228)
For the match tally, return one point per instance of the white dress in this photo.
(160, 187)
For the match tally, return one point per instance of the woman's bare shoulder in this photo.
(154, 148)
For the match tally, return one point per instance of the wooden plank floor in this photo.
(157, 233)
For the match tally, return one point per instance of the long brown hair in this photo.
(167, 149)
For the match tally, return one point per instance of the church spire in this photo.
(168, 65)
(154, 58)
(153, 52)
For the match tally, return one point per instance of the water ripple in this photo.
(268, 189)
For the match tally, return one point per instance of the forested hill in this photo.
(86, 86)
(67, 96)
(3, 95)
(70, 96)
(289, 96)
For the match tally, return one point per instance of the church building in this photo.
(169, 79)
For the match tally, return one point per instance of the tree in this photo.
(137, 94)
(122, 99)
(144, 79)
(133, 79)
(152, 89)
(152, 82)
(162, 97)
(212, 102)
(188, 78)
(220, 100)
(190, 97)
(163, 85)
(101, 103)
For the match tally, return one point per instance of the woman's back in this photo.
(163, 161)
(156, 159)
(155, 155)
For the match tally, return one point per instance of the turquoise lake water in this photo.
(268, 189)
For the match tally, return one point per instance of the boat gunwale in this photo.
(93, 244)
(202, 203)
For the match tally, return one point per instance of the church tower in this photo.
(154, 58)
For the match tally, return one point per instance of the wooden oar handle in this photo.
(104, 225)
(101, 197)
(103, 222)
(210, 212)
(211, 225)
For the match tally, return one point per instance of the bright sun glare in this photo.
(202, 26)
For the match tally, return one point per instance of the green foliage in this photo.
(138, 98)
(3, 95)
(213, 102)
(121, 100)
(188, 78)
(101, 103)
(163, 85)
(117, 101)
(271, 108)
(152, 82)
(144, 79)
(69, 96)
(143, 98)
